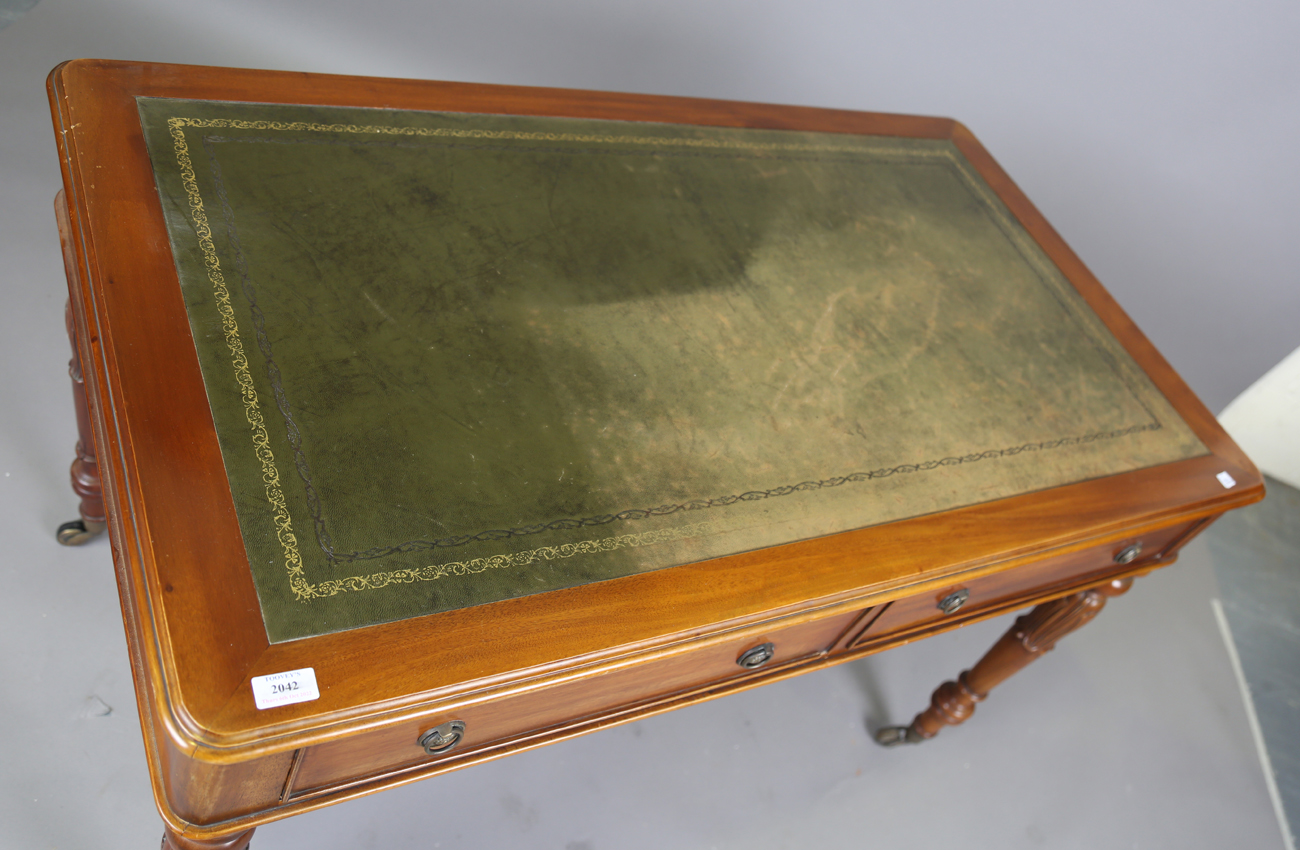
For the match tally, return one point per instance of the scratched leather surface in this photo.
(456, 359)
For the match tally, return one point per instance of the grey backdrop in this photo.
(1159, 138)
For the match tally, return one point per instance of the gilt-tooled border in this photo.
(302, 588)
(305, 591)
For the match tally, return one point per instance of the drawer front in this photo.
(491, 721)
(1037, 579)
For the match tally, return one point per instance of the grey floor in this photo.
(1157, 137)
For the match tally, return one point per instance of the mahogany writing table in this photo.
(431, 422)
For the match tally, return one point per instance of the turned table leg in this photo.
(1031, 636)
(85, 469)
(175, 841)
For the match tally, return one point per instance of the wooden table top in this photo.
(433, 387)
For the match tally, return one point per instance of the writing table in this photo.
(431, 422)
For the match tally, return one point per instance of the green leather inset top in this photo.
(454, 359)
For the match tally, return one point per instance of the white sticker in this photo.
(1226, 480)
(285, 688)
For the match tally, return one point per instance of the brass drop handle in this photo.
(1129, 553)
(442, 739)
(952, 603)
(752, 659)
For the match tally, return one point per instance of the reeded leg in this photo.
(174, 841)
(1032, 635)
(85, 470)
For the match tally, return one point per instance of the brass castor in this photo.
(78, 532)
(893, 736)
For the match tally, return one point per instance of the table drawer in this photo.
(1032, 580)
(554, 706)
